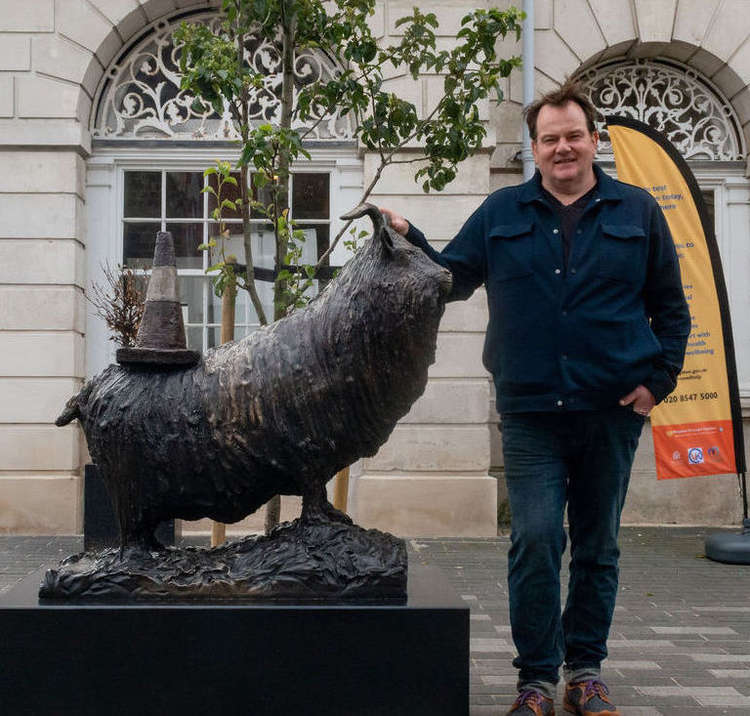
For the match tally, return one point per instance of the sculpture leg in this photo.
(135, 531)
(317, 509)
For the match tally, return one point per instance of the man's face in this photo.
(564, 149)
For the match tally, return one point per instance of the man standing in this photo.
(587, 332)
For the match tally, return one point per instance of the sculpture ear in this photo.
(380, 225)
(386, 233)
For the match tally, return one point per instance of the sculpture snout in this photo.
(445, 281)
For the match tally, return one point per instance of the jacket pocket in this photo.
(511, 251)
(622, 254)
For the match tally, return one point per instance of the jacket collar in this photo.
(607, 189)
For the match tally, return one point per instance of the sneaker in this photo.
(532, 703)
(589, 698)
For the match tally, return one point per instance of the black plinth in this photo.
(227, 658)
(99, 523)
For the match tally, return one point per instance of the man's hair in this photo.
(570, 91)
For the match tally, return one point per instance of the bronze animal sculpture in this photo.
(279, 412)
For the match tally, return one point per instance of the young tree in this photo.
(216, 71)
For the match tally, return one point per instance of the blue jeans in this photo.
(582, 459)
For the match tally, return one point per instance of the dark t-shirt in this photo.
(569, 215)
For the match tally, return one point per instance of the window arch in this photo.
(673, 99)
(141, 96)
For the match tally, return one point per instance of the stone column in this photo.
(42, 244)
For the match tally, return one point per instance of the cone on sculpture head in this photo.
(160, 342)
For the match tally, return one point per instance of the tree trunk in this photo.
(273, 507)
(228, 305)
(247, 234)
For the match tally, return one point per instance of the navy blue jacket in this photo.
(578, 339)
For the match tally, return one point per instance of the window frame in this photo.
(106, 172)
(245, 322)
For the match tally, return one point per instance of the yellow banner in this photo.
(692, 429)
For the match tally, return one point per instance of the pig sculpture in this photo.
(279, 412)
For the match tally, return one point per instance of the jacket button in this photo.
(555, 231)
(572, 270)
(579, 231)
(559, 403)
(557, 270)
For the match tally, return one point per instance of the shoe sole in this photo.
(570, 708)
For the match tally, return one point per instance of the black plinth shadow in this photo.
(229, 658)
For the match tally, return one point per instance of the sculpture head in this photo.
(407, 268)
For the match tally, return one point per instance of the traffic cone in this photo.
(161, 336)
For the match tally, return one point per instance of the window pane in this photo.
(262, 194)
(214, 336)
(138, 244)
(265, 293)
(310, 196)
(191, 298)
(184, 198)
(187, 238)
(142, 194)
(317, 238)
(214, 305)
(264, 247)
(708, 197)
(233, 244)
(264, 244)
(194, 335)
(228, 191)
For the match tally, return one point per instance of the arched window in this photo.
(671, 98)
(151, 142)
(141, 95)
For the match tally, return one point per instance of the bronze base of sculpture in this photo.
(161, 357)
(298, 561)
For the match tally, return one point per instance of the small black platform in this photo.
(230, 658)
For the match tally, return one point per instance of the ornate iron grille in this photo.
(142, 97)
(672, 99)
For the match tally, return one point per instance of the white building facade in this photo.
(97, 154)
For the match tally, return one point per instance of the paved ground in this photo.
(680, 642)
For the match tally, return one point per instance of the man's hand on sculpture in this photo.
(397, 222)
(642, 400)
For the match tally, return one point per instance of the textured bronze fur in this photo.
(279, 412)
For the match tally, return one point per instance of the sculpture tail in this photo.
(74, 408)
(71, 412)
